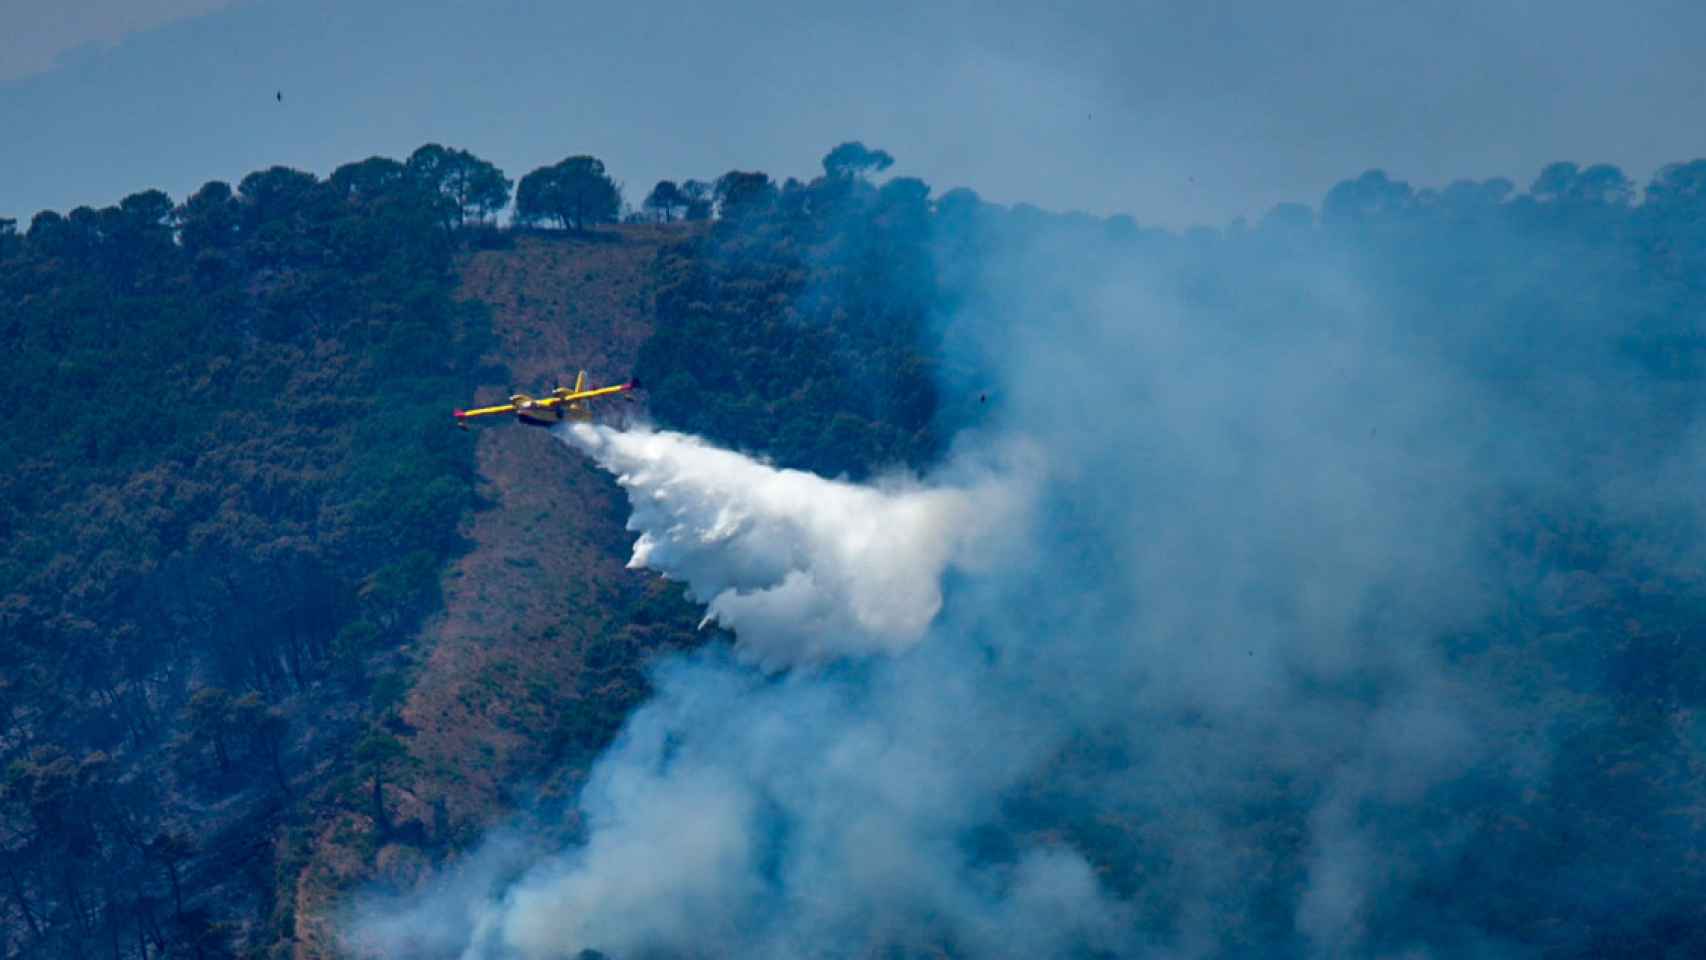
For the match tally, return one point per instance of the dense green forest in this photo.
(230, 490)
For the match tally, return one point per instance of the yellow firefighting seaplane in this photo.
(562, 405)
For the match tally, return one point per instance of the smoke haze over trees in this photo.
(1360, 614)
(1359, 609)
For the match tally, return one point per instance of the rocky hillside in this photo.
(536, 655)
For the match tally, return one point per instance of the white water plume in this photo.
(802, 568)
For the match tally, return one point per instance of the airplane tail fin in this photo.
(580, 381)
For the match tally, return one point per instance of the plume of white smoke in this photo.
(812, 812)
(1199, 656)
(808, 813)
(803, 568)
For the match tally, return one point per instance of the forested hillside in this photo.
(271, 629)
(802, 329)
(227, 495)
(232, 497)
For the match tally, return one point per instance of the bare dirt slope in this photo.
(503, 694)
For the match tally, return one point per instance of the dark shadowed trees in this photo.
(664, 200)
(904, 204)
(380, 756)
(740, 192)
(1673, 220)
(264, 727)
(1372, 196)
(209, 716)
(1679, 185)
(472, 188)
(854, 159)
(367, 179)
(170, 850)
(696, 198)
(959, 205)
(1601, 184)
(209, 219)
(575, 193)
(148, 215)
(50, 235)
(811, 296)
(276, 193)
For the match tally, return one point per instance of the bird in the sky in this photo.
(280, 96)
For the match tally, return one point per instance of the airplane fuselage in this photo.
(536, 414)
(561, 405)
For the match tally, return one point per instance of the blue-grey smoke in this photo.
(1245, 680)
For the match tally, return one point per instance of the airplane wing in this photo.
(600, 392)
(463, 415)
(487, 411)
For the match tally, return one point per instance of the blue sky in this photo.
(1177, 113)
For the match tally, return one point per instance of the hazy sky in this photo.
(1174, 112)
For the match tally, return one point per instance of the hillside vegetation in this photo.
(228, 494)
(233, 685)
(270, 629)
(538, 652)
